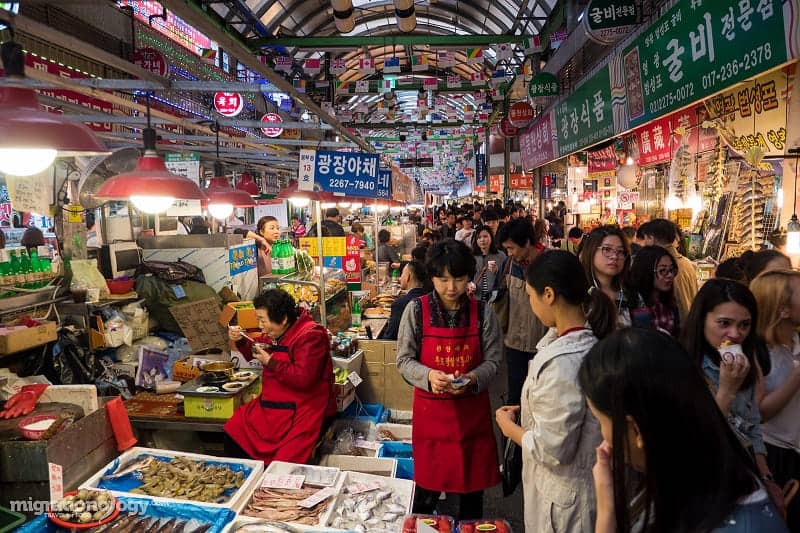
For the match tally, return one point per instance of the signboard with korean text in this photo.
(228, 104)
(272, 131)
(520, 114)
(151, 60)
(480, 169)
(496, 183)
(520, 182)
(754, 113)
(351, 263)
(186, 164)
(584, 118)
(543, 84)
(341, 173)
(654, 141)
(61, 71)
(536, 145)
(607, 21)
(337, 252)
(698, 48)
(242, 258)
(150, 12)
(384, 189)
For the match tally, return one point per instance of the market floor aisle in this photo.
(494, 504)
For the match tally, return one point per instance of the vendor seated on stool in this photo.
(297, 398)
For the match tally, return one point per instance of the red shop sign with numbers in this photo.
(228, 104)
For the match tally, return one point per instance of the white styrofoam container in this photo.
(404, 488)
(236, 501)
(367, 465)
(352, 363)
(401, 431)
(83, 395)
(280, 467)
(398, 414)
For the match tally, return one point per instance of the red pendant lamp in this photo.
(222, 198)
(150, 187)
(31, 139)
(248, 185)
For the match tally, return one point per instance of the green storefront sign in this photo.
(584, 118)
(543, 84)
(698, 48)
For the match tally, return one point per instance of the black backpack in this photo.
(171, 271)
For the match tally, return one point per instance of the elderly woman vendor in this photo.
(297, 396)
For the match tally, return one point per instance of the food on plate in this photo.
(282, 506)
(441, 523)
(84, 506)
(477, 526)
(377, 312)
(376, 511)
(332, 286)
(182, 478)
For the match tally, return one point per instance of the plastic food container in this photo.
(441, 523)
(35, 426)
(478, 526)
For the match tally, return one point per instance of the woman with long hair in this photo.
(777, 293)
(658, 419)
(606, 258)
(721, 320)
(557, 433)
(651, 280)
(489, 263)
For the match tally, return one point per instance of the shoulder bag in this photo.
(499, 299)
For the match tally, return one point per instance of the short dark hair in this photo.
(520, 232)
(630, 232)
(384, 235)
(420, 272)
(420, 251)
(663, 231)
(731, 269)
(356, 227)
(453, 256)
(278, 304)
(754, 263)
(263, 222)
(489, 215)
(575, 232)
(641, 231)
(331, 212)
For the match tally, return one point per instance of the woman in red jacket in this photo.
(297, 396)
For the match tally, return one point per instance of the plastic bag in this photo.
(85, 271)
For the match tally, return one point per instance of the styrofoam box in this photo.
(401, 431)
(362, 426)
(352, 363)
(280, 467)
(236, 502)
(403, 488)
(379, 466)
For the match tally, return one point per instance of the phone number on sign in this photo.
(668, 100)
(352, 184)
(731, 69)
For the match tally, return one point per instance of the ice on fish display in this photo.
(378, 511)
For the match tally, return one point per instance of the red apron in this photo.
(284, 424)
(453, 439)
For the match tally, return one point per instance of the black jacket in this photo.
(390, 330)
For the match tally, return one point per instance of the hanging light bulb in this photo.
(327, 205)
(31, 139)
(299, 201)
(673, 203)
(406, 16)
(343, 15)
(793, 227)
(152, 204)
(222, 198)
(220, 211)
(629, 161)
(344, 205)
(356, 205)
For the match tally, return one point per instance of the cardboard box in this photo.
(377, 466)
(383, 383)
(345, 395)
(219, 407)
(23, 339)
(244, 312)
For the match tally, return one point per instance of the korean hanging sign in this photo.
(698, 48)
(536, 145)
(607, 21)
(341, 173)
(585, 117)
(543, 84)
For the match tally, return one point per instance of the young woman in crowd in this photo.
(651, 279)
(558, 434)
(725, 312)
(446, 335)
(657, 417)
(268, 231)
(777, 293)
(606, 258)
(489, 263)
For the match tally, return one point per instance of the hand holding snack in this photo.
(734, 367)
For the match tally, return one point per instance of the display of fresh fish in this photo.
(201, 529)
(266, 526)
(167, 526)
(130, 467)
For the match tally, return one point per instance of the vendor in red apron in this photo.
(449, 347)
(297, 396)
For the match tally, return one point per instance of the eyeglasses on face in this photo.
(666, 271)
(610, 252)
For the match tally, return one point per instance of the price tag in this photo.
(56, 481)
(358, 488)
(283, 481)
(423, 527)
(367, 444)
(179, 292)
(317, 497)
(355, 379)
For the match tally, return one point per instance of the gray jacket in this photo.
(560, 438)
(524, 329)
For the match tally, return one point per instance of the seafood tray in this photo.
(377, 511)
(236, 498)
(281, 504)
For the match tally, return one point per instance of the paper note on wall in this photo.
(31, 194)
